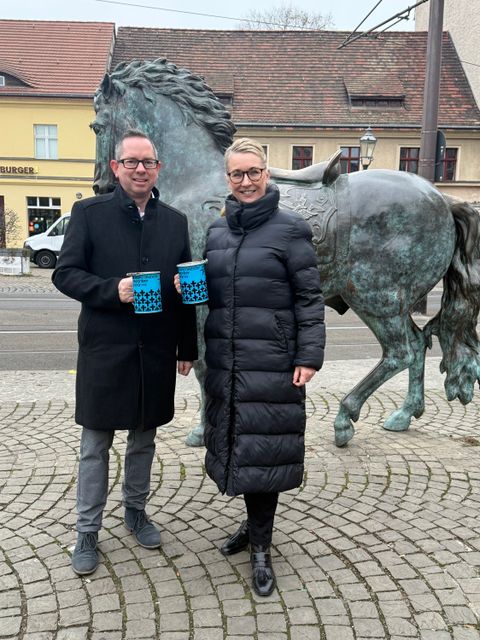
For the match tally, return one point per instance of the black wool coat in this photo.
(126, 362)
(266, 317)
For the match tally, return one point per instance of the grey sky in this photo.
(346, 13)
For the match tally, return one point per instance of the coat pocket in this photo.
(83, 322)
(281, 332)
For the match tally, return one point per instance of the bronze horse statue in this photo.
(383, 238)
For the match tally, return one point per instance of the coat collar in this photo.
(128, 205)
(245, 217)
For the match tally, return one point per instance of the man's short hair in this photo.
(245, 145)
(132, 133)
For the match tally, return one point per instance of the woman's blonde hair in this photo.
(245, 145)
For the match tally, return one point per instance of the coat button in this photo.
(144, 260)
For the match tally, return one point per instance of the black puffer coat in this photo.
(266, 317)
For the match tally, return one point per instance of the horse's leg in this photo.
(195, 437)
(392, 334)
(414, 404)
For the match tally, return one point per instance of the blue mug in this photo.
(147, 293)
(193, 281)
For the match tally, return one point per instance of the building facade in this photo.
(49, 72)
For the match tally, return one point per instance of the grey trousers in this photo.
(92, 484)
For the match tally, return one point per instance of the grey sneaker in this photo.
(85, 555)
(145, 532)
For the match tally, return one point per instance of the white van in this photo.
(45, 247)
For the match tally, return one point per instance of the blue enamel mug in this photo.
(193, 281)
(147, 293)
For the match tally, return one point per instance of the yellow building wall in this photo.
(69, 177)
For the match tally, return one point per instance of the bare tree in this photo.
(284, 17)
(9, 226)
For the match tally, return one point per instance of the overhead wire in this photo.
(366, 17)
(393, 20)
(193, 13)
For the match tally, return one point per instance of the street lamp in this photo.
(367, 145)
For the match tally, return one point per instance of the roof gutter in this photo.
(379, 125)
(89, 96)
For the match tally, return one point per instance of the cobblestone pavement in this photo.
(37, 281)
(382, 541)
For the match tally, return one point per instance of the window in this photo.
(449, 165)
(226, 99)
(350, 159)
(377, 103)
(42, 212)
(409, 159)
(301, 157)
(61, 228)
(46, 141)
(265, 150)
(2, 81)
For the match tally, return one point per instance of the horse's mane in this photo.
(194, 97)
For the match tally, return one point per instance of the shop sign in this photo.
(29, 171)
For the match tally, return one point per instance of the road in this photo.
(38, 329)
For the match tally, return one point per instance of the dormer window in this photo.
(223, 86)
(226, 99)
(386, 92)
(10, 77)
(379, 102)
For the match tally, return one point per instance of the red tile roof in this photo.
(301, 78)
(54, 58)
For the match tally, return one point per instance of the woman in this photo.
(264, 340)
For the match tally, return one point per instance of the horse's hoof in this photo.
(418, 413)
(398, 421)
(195, 437)
(343, 434)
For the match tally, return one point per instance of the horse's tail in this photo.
(455, 323)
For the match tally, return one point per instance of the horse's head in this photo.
(106, 128)
(105, 141)
(163, 101)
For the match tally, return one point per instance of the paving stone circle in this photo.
(382, 541)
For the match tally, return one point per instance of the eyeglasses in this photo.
(254, 174)
(132, 163)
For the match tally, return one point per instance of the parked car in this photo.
(45, 247)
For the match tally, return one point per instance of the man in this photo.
(126, 362)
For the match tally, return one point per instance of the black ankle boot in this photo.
(238, 542)
(263, 577)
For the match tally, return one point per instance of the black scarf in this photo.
(247, 216)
